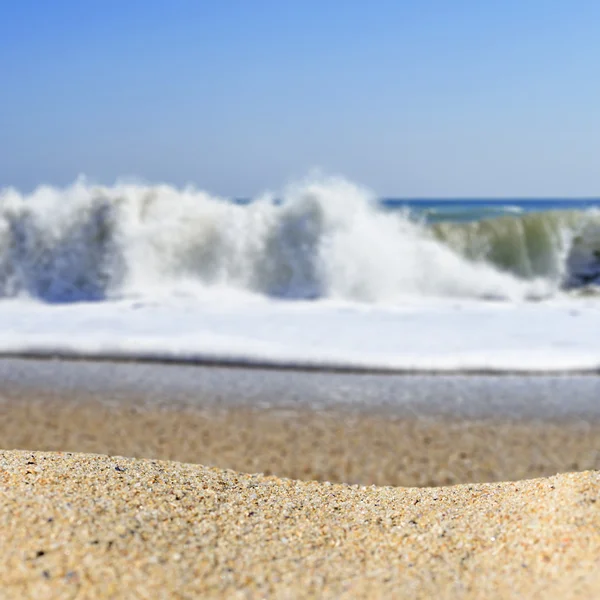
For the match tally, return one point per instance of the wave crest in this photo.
(326, 238)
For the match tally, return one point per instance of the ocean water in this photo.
(322, 274)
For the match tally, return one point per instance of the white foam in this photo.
(180, 274)
(326, 239)
(435, 334)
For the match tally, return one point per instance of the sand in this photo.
(336, 445)
(90, 526)
(97, 526)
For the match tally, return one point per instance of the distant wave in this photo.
(440, 214)
(326, 238)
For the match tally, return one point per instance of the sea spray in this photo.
(319, 238)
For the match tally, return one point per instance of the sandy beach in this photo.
(92, 526)
(336, 445)
(185, 519)
(359, 429)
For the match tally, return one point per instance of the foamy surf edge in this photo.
(547, 337)
(577, 367)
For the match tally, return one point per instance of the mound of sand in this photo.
(92, 526)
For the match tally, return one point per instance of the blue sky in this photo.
(415, 98)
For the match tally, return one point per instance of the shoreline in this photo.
(548, 397)
(293, 366)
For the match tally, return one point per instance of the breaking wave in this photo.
(325, 238)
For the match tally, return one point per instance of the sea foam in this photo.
(319, 238)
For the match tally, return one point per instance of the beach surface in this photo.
(332, 508)
(349, 428)
(90, 526)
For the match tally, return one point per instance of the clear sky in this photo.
(411, 98)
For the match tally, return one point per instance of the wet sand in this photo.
(339, 445)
